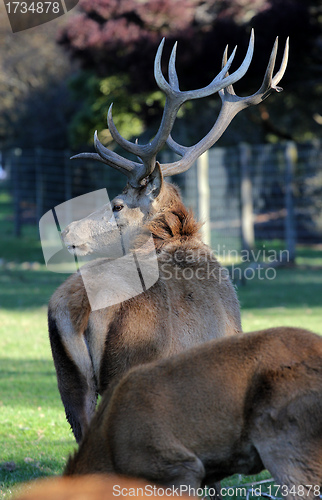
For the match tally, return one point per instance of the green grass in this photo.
(34, 436)
(35, 439)
(293, 298)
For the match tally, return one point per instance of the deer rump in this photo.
(233, 405)
(91, 349)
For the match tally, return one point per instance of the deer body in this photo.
(234, 405)
(192, 301)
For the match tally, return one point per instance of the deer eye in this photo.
(117, 208)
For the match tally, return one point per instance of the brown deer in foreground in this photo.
(234, 405)
(92, 348)
(88, 488)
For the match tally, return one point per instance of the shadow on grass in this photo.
(15, 472)
(18, 471)
(290, 287)
(21, 288)
(28, 383)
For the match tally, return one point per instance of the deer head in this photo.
(146, 193)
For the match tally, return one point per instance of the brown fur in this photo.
(77, 301)
(90, 349)
(88, 488)
(178, 225)
(233, 405)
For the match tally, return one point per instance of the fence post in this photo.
(15, 167)
(289, 227)
(67, 176)
(246, 198)
(39, 184)
(204, 196)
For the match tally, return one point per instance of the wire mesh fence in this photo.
(270, 192)
(244, 194)
(41, 179)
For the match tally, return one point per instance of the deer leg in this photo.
(170, 465)
(184, 470)
(75, 377)
(189, 476)
(217, 487)
(295, 486)
(295, 471)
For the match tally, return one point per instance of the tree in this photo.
(115, 43)
(34, 100)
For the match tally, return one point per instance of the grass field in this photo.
(35, 439)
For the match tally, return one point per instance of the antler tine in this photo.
(231, 105)
(224, 57)
(279, 75)
(130, 168)
(269, 82)
(127, 145)
(173, 77)
(229, 88)
(137, 142)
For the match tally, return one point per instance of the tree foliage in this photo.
(116, 42)
(35, 103)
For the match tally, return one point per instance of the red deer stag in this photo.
(90, 348)
(239, 404)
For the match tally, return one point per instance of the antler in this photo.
(231, 105)
(137, 172)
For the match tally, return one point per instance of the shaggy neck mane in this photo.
(175, 223)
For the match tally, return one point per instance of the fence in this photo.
(262, 192)
(41, 179)
(243, 193)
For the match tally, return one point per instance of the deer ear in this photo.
(155, 182)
